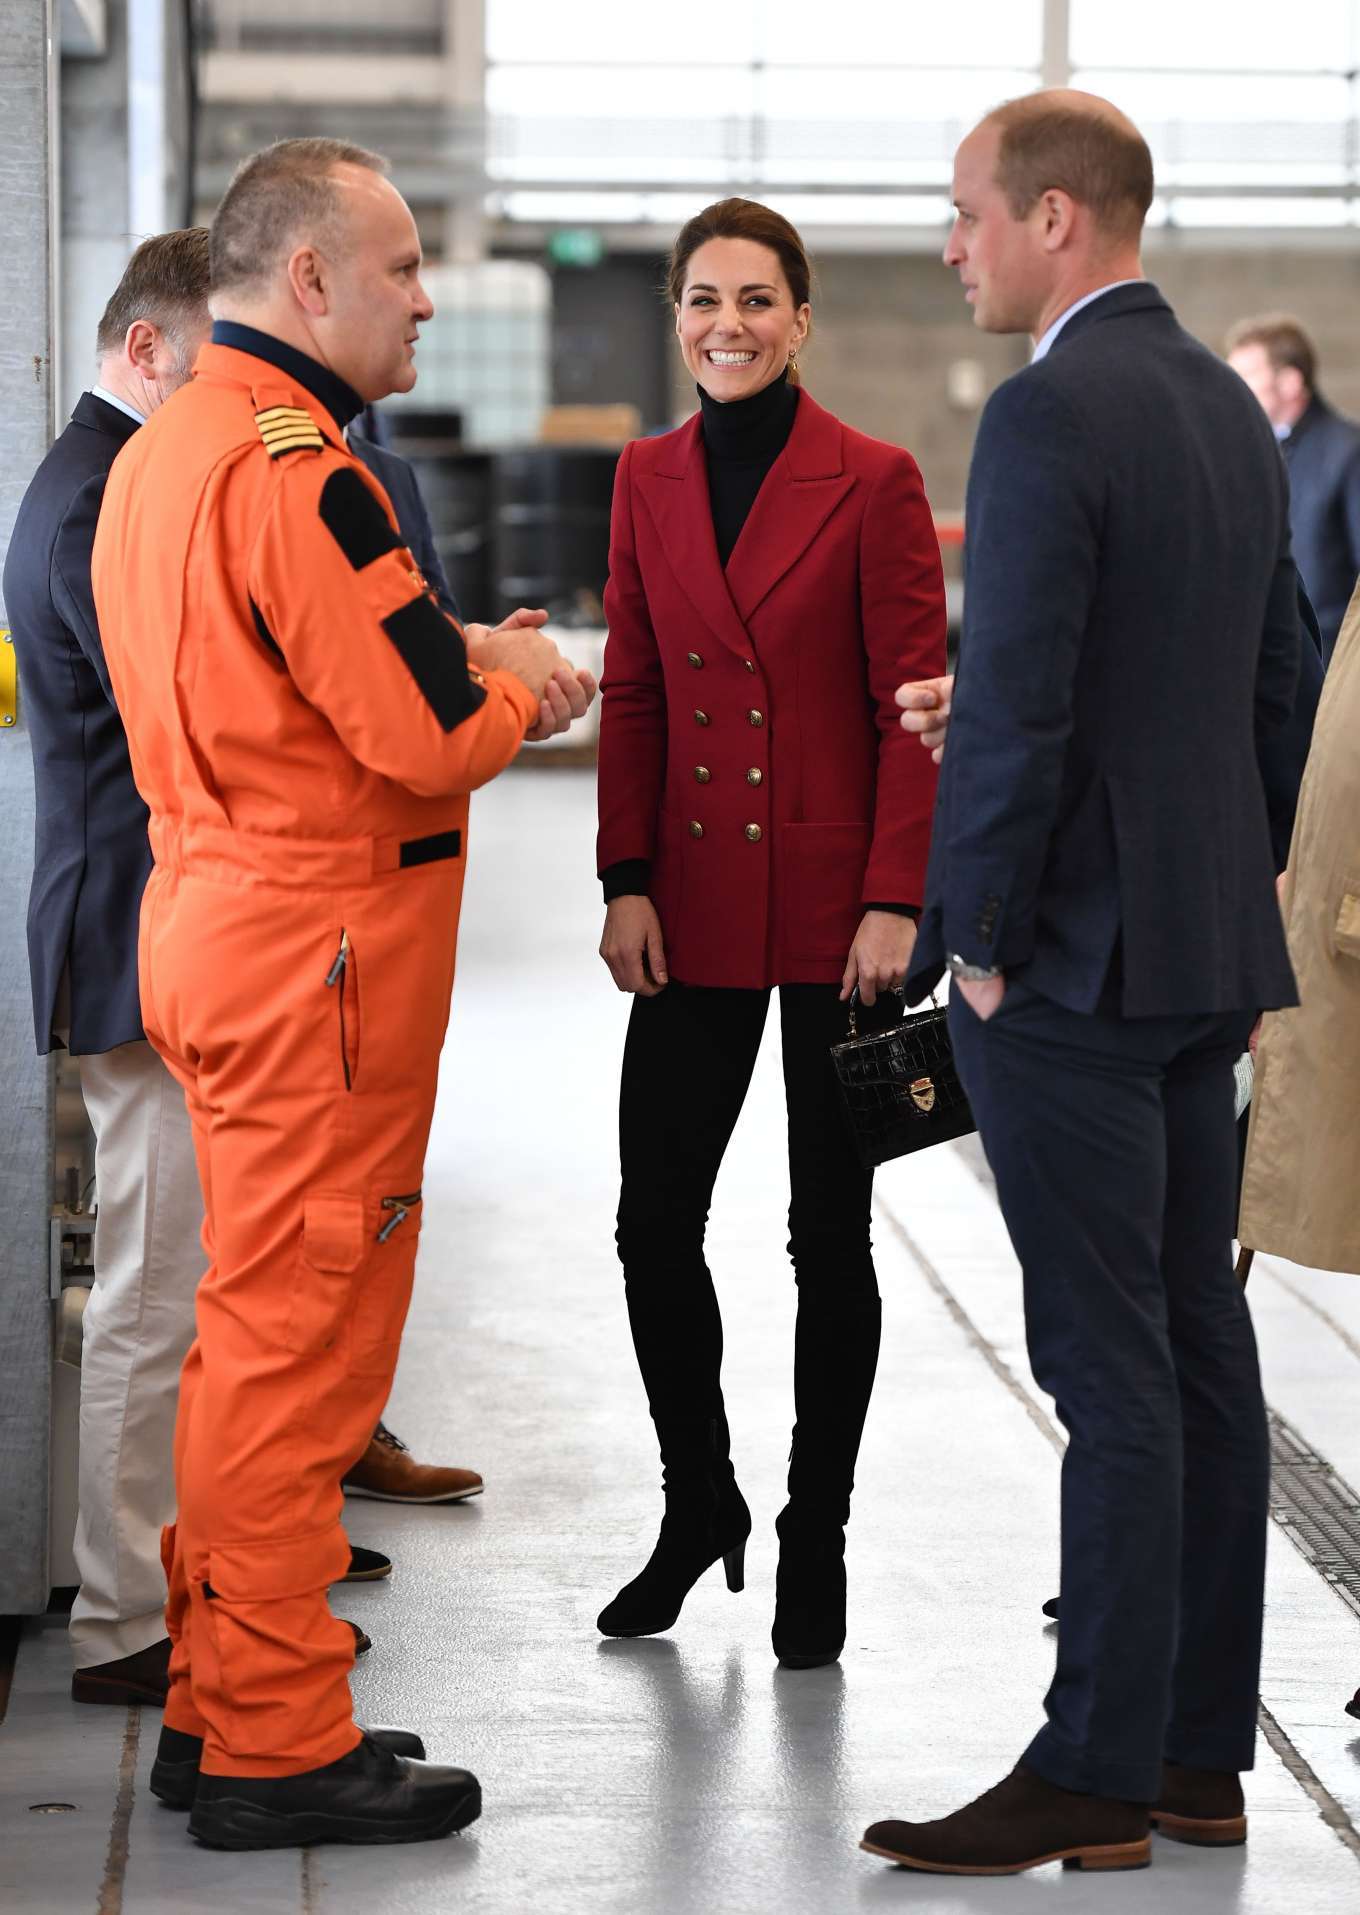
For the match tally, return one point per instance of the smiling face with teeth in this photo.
(735, 319)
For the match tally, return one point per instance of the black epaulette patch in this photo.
(354, 517)
(432, 648)
(289, 429)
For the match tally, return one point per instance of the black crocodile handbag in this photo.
(901, 1088)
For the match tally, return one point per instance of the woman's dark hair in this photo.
(742, 219)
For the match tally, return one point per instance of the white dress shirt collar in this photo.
(1045, 345)
(112, 399)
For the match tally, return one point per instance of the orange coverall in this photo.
(305, 729)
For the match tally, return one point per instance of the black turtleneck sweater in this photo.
(742, 440)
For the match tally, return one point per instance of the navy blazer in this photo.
(1322, 455)
(1130, 626)
(91, 855)
(91, 858)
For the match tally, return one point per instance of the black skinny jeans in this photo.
(687, 1066)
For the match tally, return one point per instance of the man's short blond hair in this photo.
(278, 199)
(1049, 142)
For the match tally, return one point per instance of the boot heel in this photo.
(1115, 1855)
(734, 1564)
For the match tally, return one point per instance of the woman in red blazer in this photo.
(764, 820)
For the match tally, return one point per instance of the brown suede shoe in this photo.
(144, 1678)
(1200, 1806)
(388, 1473)
(1022, 1823)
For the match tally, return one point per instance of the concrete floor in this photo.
(685, 1775)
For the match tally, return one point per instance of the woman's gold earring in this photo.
(793, 359)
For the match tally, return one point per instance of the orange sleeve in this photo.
(366, 642)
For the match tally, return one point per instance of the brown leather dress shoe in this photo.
(143, 1678)
(388, 1473)
(1022, 1823)
(1200, 1806)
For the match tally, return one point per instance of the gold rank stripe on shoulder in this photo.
(289, 429)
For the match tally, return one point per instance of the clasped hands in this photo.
(519, 645)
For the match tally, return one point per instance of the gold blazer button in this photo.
(695, 661)
(701, 717)
(696, 830)
(702, 774)
(754, 833)
(755, 776)
(756, 718)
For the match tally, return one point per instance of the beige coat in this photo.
(1301, 1197)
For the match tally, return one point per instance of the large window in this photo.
(1250, 109)
(622, 111)
(626, 112)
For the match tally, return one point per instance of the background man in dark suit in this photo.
(91, 862)
(1321, 450)
(1102, 891)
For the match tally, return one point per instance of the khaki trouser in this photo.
(139, 1323)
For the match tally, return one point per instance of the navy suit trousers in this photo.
(1114, 1151)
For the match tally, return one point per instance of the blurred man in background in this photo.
(1277, 359)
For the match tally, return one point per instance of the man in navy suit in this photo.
(1102, 890)
(91, 863)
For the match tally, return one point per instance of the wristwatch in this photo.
(971, 973)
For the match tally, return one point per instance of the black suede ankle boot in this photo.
(706, 1519)
(835, 1356)
(809, 1606)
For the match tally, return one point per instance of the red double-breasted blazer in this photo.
(749, 742)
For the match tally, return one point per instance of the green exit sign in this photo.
(575, 246)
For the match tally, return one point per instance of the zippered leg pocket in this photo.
(381, 1301)
(343, 979)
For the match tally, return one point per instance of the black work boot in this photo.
(369, 1795)
(174, 1773)
(706, 1518)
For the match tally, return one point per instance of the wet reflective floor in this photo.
(687, 1775)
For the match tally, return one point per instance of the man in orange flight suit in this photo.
(305, 725)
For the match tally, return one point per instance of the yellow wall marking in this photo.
(9, 680)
